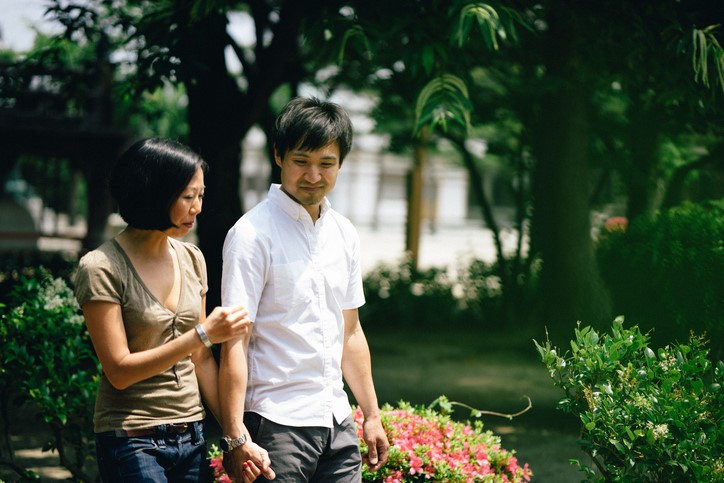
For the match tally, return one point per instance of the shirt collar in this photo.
(291, 207)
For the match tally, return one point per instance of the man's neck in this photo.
(315, 211)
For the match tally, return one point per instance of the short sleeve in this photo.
(199, 263)
(246, 258)
(97, 279)
(355, 292)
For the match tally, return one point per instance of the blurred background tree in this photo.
(612, 108)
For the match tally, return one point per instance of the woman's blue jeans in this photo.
(159, 457)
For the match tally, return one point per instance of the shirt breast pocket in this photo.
(291, 284)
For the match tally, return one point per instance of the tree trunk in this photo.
(416, 185)
(100, 203)
(220, 115)
(644, 142)
(570, 289)
(216, 131)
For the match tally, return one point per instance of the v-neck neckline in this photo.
(138, 278)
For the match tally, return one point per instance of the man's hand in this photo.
(247, 462)
(377, 444)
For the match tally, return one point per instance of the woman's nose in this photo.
(197, 205)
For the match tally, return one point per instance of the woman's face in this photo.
(187, 206)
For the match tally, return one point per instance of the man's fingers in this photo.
(382, 455)
(372, 454)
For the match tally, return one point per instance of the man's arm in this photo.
(239, 272)
(248, 459)
(357, 371)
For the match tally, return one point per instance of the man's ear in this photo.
(277, 158)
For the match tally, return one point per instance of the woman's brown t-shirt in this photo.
(107, 274)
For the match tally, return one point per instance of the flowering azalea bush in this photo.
(427, 445)
(216, 458)
(616, 223)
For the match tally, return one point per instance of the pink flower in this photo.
(415, 464)
(616, 223)
(220, 475)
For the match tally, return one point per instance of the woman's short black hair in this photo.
(311, 124)
(149, 177)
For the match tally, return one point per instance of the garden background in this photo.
(590, 139)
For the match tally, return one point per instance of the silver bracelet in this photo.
(204, 336)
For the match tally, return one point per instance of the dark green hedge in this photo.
(666, 272)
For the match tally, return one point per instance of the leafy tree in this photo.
(556, 83)
(568, 71)
(431, 88)
(186, 43)
(565, 65)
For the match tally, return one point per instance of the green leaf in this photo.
(487, 19)
(445, 98)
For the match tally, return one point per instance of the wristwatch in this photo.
(229, 444)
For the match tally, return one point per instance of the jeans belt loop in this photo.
(195, 431)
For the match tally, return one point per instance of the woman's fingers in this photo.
(225, 323)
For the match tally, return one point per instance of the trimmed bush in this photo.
(400, 296)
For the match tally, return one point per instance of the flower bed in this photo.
(427, 445)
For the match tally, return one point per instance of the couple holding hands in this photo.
(288, 326)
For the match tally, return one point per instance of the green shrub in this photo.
(646, 416)
(47, 362)
(28, 263)
(400, 296)
(667, 272)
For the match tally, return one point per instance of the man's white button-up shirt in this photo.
(295, 277)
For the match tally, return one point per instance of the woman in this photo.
(143, 298)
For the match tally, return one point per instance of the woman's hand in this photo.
(246, 463)
(225, 323)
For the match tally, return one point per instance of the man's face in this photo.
(308, 176)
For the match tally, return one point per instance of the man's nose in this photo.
(313, 174)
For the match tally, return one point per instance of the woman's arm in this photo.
(124, 368)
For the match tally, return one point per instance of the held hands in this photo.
(247, 462)
(225, 323)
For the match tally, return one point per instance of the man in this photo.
(294, 263)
